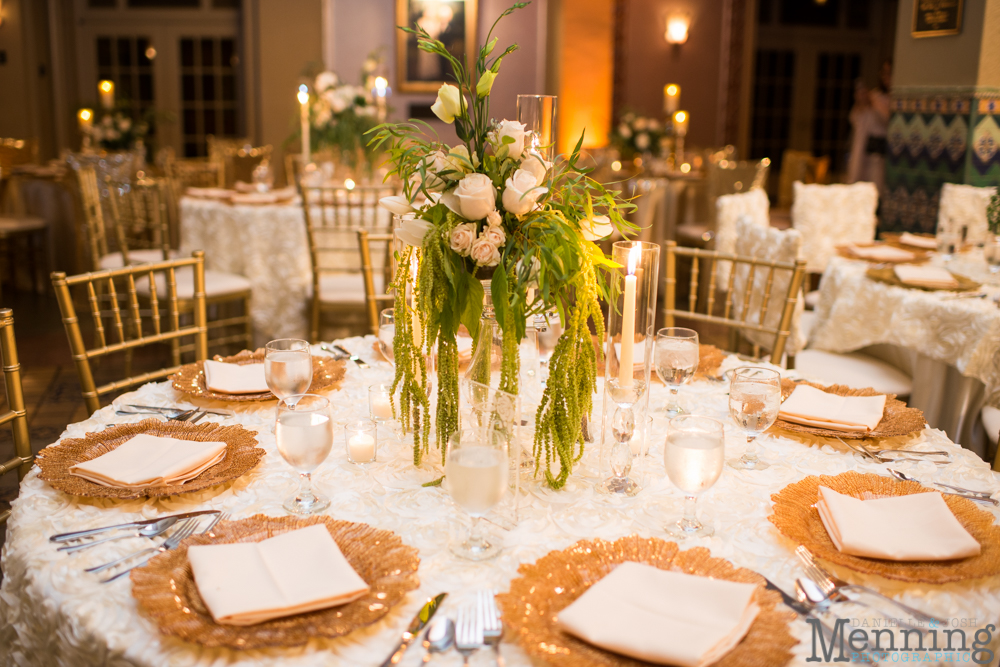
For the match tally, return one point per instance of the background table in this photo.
(51, 612)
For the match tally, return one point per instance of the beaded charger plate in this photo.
(242, 455)
(795, 515)
(165, 589)
(190, 379)
(897, 418)
(887, 275)
(549, 585)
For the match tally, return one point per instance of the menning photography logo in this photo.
(893, 642)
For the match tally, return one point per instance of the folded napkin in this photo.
(924, 276)
(292, 573)
(919, 526)
(669, 618)
(149, 460)
(914, 241)
(235, 379)
(813, 407)
(881, 253)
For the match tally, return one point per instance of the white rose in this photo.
(625, 131)
(413, 230)
(449, 103)
(396, 204)
(325, 80)
(125, 124)
(596, 228)
(462, 238)
(494, 219)
(458, 160)
(485, 253)
(642, 141)
(323, 112)
(494, 234)
(641, 123)
(537, 165)
(514, 130)
(475, 195)
(521, 192)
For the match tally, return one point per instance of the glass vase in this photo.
(487, 350)
(538, 114)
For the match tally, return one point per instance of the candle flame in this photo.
(106, 86)
(349, 184)
(303, 94)
(673, 89)
(380, 86)
(680, 116)
(86, 114)
(633, 257)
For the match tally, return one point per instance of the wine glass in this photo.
(303, 430)
(676, 356)
(693, 455)
(386, 333)
(754, 399)
(991, 250)
(476, 469)
(288, 367)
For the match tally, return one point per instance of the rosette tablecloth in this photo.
(53, 613)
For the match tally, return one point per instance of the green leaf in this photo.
(473, 307)
(498, 290)
(436, 482)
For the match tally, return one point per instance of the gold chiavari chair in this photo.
(15, 414)
(333, 216)
(799, 166)
(126, 330)
(195, 173)
(743, 316)
(374, 296)
(238, 157)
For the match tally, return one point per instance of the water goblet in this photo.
(754, 400)
(991, 250)
(361, 438)
(476, 469)
(303, 430)
(947, 244)
(288, 367)
(693, 455)
(676, 356)
(386, 333)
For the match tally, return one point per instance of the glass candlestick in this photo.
(538, 114)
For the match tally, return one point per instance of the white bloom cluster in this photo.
(333, 97)
(639, 133)
(116, 126)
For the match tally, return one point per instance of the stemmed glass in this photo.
(476, 469)
(693, 456)
(676, 356)
(303, 430)
(386, 333)
(992, 253)
(754, 399)
(288, 367)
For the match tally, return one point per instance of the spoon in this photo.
(438, 638)
(815, 596)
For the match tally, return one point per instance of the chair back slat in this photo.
(93, 214)
(16, 414)
(693, 287)
(372, 297)
(746, 295)
(116, 312)
(154, 302)
(767, 294)
(140, 218)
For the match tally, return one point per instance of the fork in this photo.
(182, 533)
(489, 619)
(978, 496)
(152, 530)
(839, 589)
(184, 530)
(468, 633)
(886, 459)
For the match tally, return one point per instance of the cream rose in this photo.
(462, 238)
(449, 103)
(494, 219)
(537, 165)
(595, 228)
(485, 253)
(413, 230)
(494, 234)
(514, 130)
(642, 141)
(521, 192)
(475, 196)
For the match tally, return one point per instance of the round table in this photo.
(51, 612)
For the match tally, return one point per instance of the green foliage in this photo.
(993, 213)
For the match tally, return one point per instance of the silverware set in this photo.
(339, 352)
(890, 455)
(978, 496)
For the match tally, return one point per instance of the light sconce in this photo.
(1, 12)
(677, 28)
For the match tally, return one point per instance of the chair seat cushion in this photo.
(21, 225)
(991, 422)
(146, 256)
(217, 283)
(346, 287)
(854, 369)
(811, 299)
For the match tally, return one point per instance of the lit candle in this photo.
(681, 120)
(381, 407)
(107, 90)
(362, 448)
(381, 89)
(304, 106)
(628, 319)
(671, 98)
(86, 120)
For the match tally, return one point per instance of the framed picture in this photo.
(932, 18)
(453, 22)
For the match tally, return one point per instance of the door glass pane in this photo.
(118, 60)
(772, 105)
(209, 85)
(835, 77)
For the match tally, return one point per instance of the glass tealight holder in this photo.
(361, 438)
(380, 403)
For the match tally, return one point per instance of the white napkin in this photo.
(919, 526)
(149, 460)
(813, 407)
(669, 618)
(915, 241)
(292, 573)
(924, 276)
(209, 193)
(881, 253)
(235, 379)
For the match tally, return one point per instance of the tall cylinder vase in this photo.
(538, 114)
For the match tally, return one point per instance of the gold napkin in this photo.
(149, 460)
(919, 526)
(234, 378)
(918, 241)
(669, 618)
(292, 573)
(881, 253)
(924, 276)
(813, 407)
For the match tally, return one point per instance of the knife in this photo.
(353, 357)
(65, 537)
(227, 413)
(418, 623)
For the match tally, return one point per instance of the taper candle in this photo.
(625, 368)
(107, 90)
(681, 120)
(304, 105)
(85, 118)
(671, 98)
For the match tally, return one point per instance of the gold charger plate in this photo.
(897, 419)
(242, 455)
(166, 592)
(887, 275)
(919, 256)
(795, 515)
(549, 585)
(190, 379)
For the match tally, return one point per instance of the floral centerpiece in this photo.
(993, 214)
(635, 135)
(493, 211)
(116, 131)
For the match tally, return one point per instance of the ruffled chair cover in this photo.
(832, 215)
(964, 205)
(753, 205)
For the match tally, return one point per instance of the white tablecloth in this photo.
(268, 245)
(51, 612)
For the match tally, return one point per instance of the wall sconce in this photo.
(1, 12)
(677, 28)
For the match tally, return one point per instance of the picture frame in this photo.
(933, 18)
(454, 22)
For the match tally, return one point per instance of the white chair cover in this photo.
(964, 205)
(753, 205)
(832, 215)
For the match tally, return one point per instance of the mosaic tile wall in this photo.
(935, 139)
